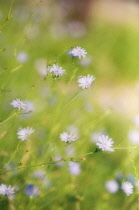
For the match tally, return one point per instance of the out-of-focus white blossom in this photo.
(39, 174)
(41, 67)
(74, 168)
(112, 186)
(86, 61)
(133, 136)
(70, 150)
(136, 120)
(22, 57)
(29, 108)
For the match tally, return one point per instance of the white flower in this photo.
(56, 70)
(17, 103)
(24, 133)
(67, 137)
(78, 52)
(133, 136)
(74, 168)
(41, 67)
(112, 186)
(22, 57)
(6, 190)
(127, 187)
(86, 81)
(29, 109)
(105, 144)
(86, 61)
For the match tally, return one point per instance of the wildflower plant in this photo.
(41, 155)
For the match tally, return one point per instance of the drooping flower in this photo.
(112, 186)
(86, 81)
(56, 70)
(24, 133)
(127, 187)
(78, 52)
(105, 143)
(18, 104)
(67, 137)
(6, 190)
(74, 168)
(22, 57)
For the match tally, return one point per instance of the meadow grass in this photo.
(59, 104)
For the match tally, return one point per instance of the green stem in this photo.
(13, 154)
(14, 114)
(89, 153)
(74, 98)
(43, 164)
(128, 148)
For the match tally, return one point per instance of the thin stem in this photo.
(89, 153)
(50, 163)
(43, 164)
(9, 14)
(4, 121)
(128, 148)
(31, 166)
(13, 154)
(76, 96)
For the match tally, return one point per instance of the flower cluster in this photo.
(113, 186)
(104, 143)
